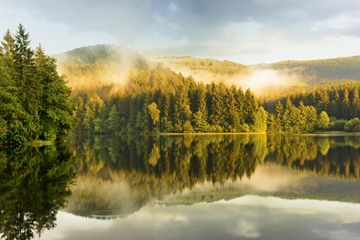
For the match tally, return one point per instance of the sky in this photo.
(245, 31)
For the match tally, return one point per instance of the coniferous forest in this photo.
(181, 119)
(36, 103)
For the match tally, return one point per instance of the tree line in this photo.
(34, 100)
(340, 101)
(323, 69)
(159, 100)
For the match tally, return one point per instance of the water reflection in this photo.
(33, 187)
(162, 175)
(248, 217)
(129, 173)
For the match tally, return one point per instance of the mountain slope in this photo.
(322, 69)
(103, 65)
(99, 65)
(204, 64)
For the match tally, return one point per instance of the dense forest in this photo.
(339, 100)
(155, 99)
(159, 100)
(34, 100)
(117, 91)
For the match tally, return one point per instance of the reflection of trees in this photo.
(194, 159)
(188, 159)
(156, 166)
(33, 185)
(330, 156)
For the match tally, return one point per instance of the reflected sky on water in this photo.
(184, 187)
(248, 217)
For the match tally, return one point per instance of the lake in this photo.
(184, 187)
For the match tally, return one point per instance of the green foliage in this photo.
(154, 113)
(161, 167)
(323, 121)
(205, 65)
(34, 98)
(352, 125)
(260, 124)
(339, 100)
(33, 187)
(326, 69)
(293, 119)
(159, 100)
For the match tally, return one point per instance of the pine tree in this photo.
(345, 103)
(24, 65)
(113, 121)
(355, 103)
(54, 108)
(250, 106)
(278, 127)
(35, 99)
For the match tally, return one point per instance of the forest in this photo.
(34, 99)
(322, 69)
(116, 91)
(158, 100)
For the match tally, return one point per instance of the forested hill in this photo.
(118, 91)
(322, 69)
(204, 64)
(95, 66)
(104, 64)
(101, 52)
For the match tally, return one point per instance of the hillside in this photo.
(320, 70)
(204, 64)
(100, 65)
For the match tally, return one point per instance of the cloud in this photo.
(246, 229)
(247, 217)
(249, 31)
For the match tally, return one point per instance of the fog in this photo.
(263, 82)
(100, 65)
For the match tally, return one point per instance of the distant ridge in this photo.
(321, 69)
(311, 71)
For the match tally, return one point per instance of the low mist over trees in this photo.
(159, 100)
(323, 69)
(155, 99)
(143, 97)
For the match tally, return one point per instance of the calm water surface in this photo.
(184, 187)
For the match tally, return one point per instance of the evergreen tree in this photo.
(250, 106)
(54, 108)
(114, 120)
(278, 126)
(34, 98)
(355, 104)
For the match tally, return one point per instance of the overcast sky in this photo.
(246, 31)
